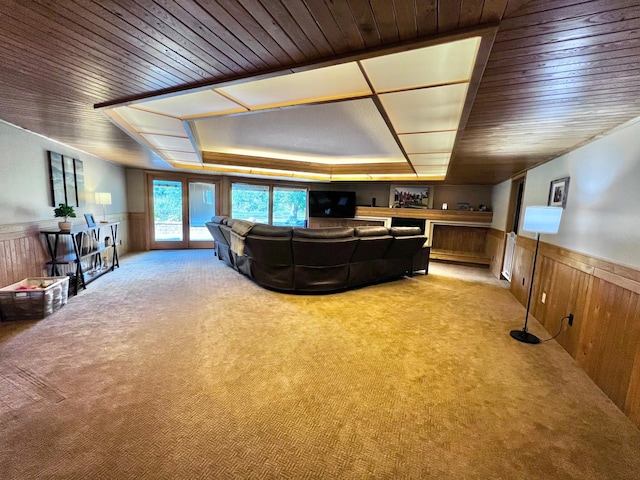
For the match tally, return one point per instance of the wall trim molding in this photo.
(581, 261)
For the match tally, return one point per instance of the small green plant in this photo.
(64, 210)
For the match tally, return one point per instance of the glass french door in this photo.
(179, 208)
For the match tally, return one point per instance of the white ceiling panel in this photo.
(427, 109)
(429, 158)
(205, 102)
(339, 132)
(437, 65)
(322, 84)
(428, 142)
(150, 122)
(431, 170)
(166, 142)
(181, 156)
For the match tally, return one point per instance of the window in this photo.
(269, 204)
(250, 202)
(289, 206)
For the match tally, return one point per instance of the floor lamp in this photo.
(538, 220)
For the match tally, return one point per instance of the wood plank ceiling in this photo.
(559, 74)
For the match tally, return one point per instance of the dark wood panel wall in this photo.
(23, 251)
(139, 240)
(459, 238)
(494, 250)
(605, 300)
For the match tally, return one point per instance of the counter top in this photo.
(427, 214)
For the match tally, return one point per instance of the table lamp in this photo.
(103, 198)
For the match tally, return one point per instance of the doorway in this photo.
(512, 226)
(179, 208)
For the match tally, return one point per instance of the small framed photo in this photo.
(558, 192)
(91, 222)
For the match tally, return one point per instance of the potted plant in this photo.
(64, 211)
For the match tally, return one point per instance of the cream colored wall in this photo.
(500, 202)
(135, 190)
(602, 216)
(25, 191)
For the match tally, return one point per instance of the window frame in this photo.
(271, 187)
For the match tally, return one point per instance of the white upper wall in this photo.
(602, 216)
(500, 202)
(25, 190)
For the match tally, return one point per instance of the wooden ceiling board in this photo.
(559, 73)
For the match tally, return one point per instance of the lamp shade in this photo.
(542, 219)
(103, 198)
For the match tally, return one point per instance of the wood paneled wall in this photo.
(494, 249)
(458, 238)
(138, 232)
(604, 299)
(23, 251)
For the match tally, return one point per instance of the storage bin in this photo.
(27, 303)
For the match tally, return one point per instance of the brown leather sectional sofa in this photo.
(319, 260)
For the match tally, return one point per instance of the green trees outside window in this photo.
(269, 204)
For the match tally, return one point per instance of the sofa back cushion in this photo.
(271, 230)
(327, 233)
(405, 231)
(270, 250)
(323, 252)
(371, 231)
(242, 227)
(219, 219)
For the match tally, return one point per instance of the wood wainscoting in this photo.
(139, 233)
(604, 299)
(23, 251)
(494, 250)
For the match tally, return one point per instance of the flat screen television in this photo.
(332, 204)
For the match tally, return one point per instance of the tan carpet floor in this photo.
(175, 366)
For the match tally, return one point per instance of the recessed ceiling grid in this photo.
(420, 97)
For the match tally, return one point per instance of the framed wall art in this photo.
(78, 170)
(558, 192)
(67, 180)
(56, 175)
(411, 197)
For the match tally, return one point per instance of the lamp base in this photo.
(524, 336)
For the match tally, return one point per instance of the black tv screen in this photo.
(332, 204)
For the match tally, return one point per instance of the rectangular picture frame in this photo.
(558, 192)
(91, 222)
(411, 196)
(56, 174)
(69, 181)
(78, 169)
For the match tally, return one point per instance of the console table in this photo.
(83, 244)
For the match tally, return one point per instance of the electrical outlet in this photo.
(544, 297)
(571, 319)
